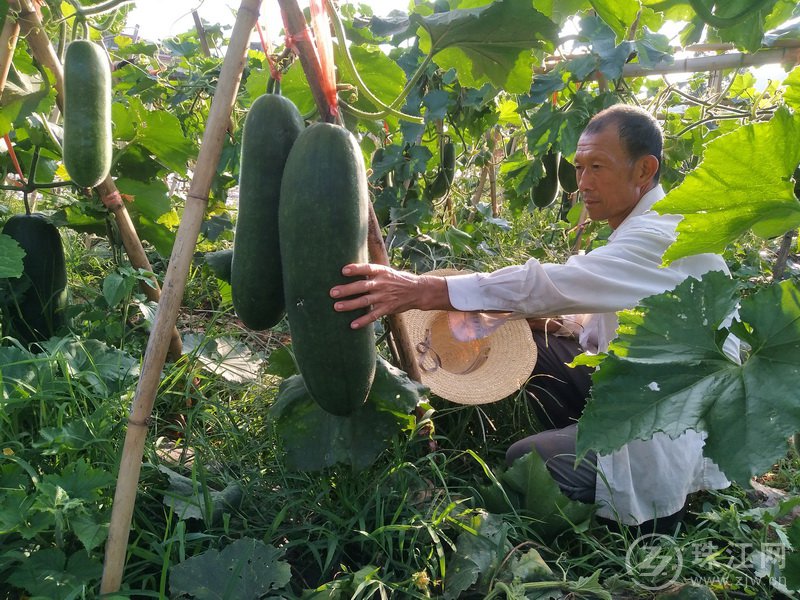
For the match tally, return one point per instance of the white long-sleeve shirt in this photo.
(644, 479)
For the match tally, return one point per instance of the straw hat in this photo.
(479, 371)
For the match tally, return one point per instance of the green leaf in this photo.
(295, 87)
(618, 14)
(20, 375)
(47, 573)
(124, 120)
(247, 569)
(89, 529)
(530, 566)
(603, 41)
(157, 234)
(653, 49)
(81, 481)
(355, 440)
(74, 435)
(281, 363)
(161, 133)
(220, 263)
(792, 93)
(116, 288)
(187, 497)
(479, 551)
(744, 182)
(11, 255)
(104, 368)
(666, 372)
(488, 44)
(532, 490)
(150, 199)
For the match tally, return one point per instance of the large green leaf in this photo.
(11, 255)
(666, 372)
(158, 131)
(382, 75)
(489, 44)
(744, 182)
(314, 439)
(527, 486)
(161, 134)
(247, 569)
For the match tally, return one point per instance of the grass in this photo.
(393, 529)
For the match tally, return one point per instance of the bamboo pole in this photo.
(8, 43)
(174, 284)
(297, 31)
(42, 49)
(734, 60)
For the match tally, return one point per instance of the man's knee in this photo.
(557, 450)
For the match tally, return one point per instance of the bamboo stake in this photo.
(174, 284)
(8, 43)
(42, 49)
(297, 31)
(201, 33)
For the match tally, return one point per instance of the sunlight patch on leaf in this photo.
(743, 183)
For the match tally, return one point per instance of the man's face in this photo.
(609, 182)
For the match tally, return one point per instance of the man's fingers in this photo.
(361, 269)
(366, 319)
(350, 289)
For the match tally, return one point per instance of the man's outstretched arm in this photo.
(386, 291)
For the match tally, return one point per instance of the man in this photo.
(617, 164)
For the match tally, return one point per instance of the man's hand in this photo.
(386, 291)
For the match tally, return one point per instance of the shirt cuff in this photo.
(464, 292)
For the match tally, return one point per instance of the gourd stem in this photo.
(347, 62)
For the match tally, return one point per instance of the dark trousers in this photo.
(558, 394)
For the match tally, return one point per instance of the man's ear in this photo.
(647, 168)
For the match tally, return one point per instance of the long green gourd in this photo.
(270, 129)
(41, 294)
(323, 219)
(87, 113)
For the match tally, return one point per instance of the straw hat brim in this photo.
(496, 366)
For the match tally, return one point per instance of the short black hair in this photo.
(638, 131)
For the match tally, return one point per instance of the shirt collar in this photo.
(645, 204)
